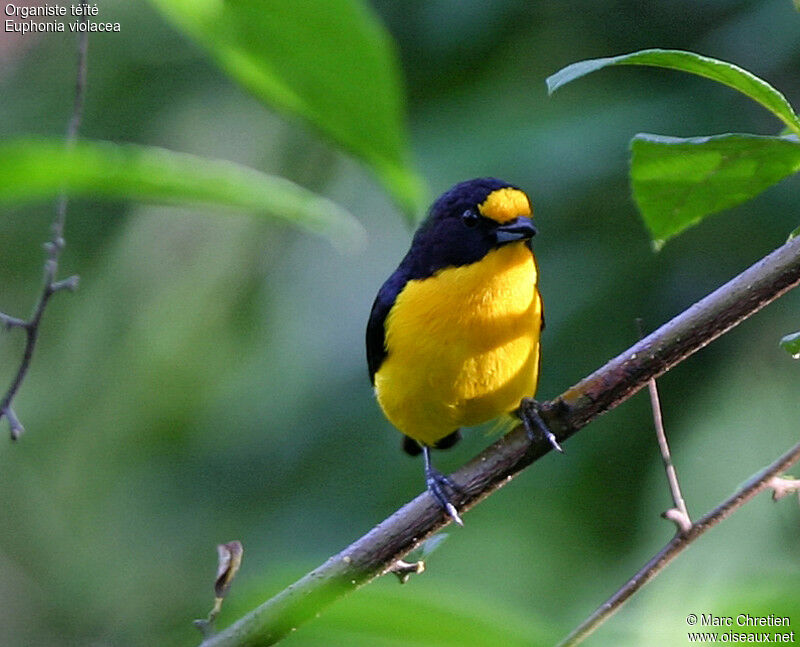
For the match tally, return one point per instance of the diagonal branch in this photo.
(53, 250)
(376, 552)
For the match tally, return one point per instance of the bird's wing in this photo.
(376, 332)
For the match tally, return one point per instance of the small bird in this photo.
(453, 335)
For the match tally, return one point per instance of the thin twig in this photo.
(404, 570)
(53, 249)
(679, 514)
(680, 542)
(619, 379)
(783, 486)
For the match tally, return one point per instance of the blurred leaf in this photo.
(39, 169)
(677, 182)
(331, 63)
(791, 344)
(770, 596)
(726, 73)
(794, 234)
(401, 616)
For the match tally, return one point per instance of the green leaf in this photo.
(791, 344)
(400, 616)
(677, 182)
(39, 169)
(331, 63)
(794, 234)
(726, 73)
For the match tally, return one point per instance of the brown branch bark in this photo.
(619, 379)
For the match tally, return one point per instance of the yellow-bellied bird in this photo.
(453, 336)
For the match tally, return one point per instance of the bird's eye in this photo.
(469, 218)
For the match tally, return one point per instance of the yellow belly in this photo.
(463, 346)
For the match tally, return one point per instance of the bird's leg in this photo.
(440, 487)
(535, 427)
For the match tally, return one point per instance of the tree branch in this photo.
(681, 541)
(53, 250)
(376, 552)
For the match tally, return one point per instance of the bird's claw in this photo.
(535, 427)
(441, 489)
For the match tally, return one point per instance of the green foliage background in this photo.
(208, 380)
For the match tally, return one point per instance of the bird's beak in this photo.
(520, 228)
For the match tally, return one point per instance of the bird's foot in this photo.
(535, 426)
(442, 489)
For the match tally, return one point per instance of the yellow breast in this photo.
(463, 345)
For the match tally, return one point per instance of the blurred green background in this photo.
(208, 381)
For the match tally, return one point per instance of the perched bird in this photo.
(453, 336)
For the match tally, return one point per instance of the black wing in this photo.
(376, 332)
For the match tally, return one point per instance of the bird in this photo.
(453, 334)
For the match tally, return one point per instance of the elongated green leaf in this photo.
(331, 63)
(393, 618)
(677, 182)
(39, 169)
(791, 344)
(726, 73)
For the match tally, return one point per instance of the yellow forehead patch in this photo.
(505, 204)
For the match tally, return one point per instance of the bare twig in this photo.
(404, 570)
(375, 552)
(11, 322)
(783, 486)
(754, 485)
(53, 249)
(679, 515)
